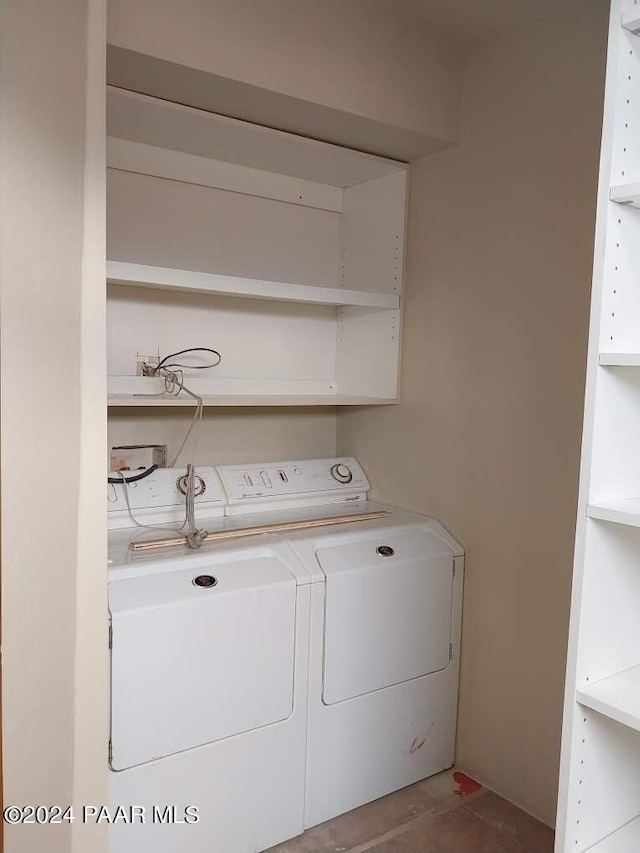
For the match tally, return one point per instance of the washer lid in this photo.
(200, 654)
(388, 610)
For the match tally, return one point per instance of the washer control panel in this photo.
(160, 497)
(294, 483)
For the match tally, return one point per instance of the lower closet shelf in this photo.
(145, 391)
(623, 840)
(232, 401)
(617, 697)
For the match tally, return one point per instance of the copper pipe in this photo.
(274, 527)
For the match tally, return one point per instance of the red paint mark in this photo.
(416, 744)
(466, 785)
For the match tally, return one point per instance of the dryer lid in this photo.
(388, 610)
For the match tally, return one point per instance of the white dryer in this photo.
(209, 674)
(386, 599)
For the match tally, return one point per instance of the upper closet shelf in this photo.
(631, 21)
(626, 194)
(189, 281)
(178, 128)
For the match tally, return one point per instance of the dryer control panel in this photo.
(283, 485)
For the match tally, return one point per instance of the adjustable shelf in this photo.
(628, 194)
(619, 359)
(624, 840)
(240, 400)
(631, 21)
(188, 281)
(620, 512)
(145, 391)
(617, 697)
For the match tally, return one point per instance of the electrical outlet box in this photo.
(131, 457)
(145, 363)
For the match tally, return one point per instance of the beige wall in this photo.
(45, 270)
(357, 71)
(231, 435)
(487, 436)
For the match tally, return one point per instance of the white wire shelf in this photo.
(188, 281)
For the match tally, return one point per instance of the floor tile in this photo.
(532, 834)
(453, 831)
(442, 786)
(364, 824)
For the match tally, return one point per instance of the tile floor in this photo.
(447, 813)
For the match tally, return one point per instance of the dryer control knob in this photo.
(341, 473)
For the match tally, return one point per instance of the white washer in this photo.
(386, 601)
(208, 682)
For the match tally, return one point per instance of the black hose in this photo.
(133, 479)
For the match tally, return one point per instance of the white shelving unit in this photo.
(599, 803)
(283, 253)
